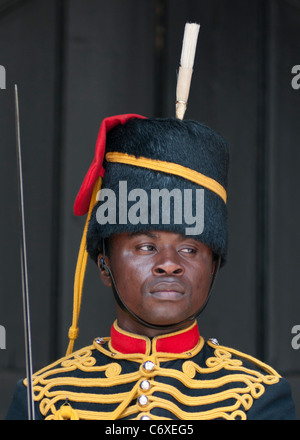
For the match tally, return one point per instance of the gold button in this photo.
(148, 365)
(145, 385)
(143, 400)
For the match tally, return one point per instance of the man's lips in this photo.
(167, 290)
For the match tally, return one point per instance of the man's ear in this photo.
(213, 266)
(216, 264)
(104, 275)
(216, 260)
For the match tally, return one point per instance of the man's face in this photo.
(162, 277)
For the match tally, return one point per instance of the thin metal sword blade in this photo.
(24, 271)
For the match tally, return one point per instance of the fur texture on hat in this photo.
(187, 143)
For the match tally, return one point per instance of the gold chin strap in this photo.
(80, 272)
(170, 168)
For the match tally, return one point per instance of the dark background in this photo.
(76, 62)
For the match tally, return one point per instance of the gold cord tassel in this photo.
(80, 273)
(66, 412)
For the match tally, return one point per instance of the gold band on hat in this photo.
(170, 168)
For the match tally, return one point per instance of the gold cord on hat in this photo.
(80, 272)
(170, 168)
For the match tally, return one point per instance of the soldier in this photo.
(156, 198)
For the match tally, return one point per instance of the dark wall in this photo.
(76, 62)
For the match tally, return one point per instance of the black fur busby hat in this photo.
(163, 174)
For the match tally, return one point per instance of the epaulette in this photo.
(245, 358)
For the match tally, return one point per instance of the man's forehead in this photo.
(157, 234)
(150, 234)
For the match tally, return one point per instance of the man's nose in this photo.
(168, 263)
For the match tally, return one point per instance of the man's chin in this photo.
(165, 318)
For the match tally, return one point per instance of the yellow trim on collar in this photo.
(170, 168)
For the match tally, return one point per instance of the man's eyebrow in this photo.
(147, 233)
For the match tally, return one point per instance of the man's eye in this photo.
(146, 247)
(188, 250)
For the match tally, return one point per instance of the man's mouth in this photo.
(167, 291)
